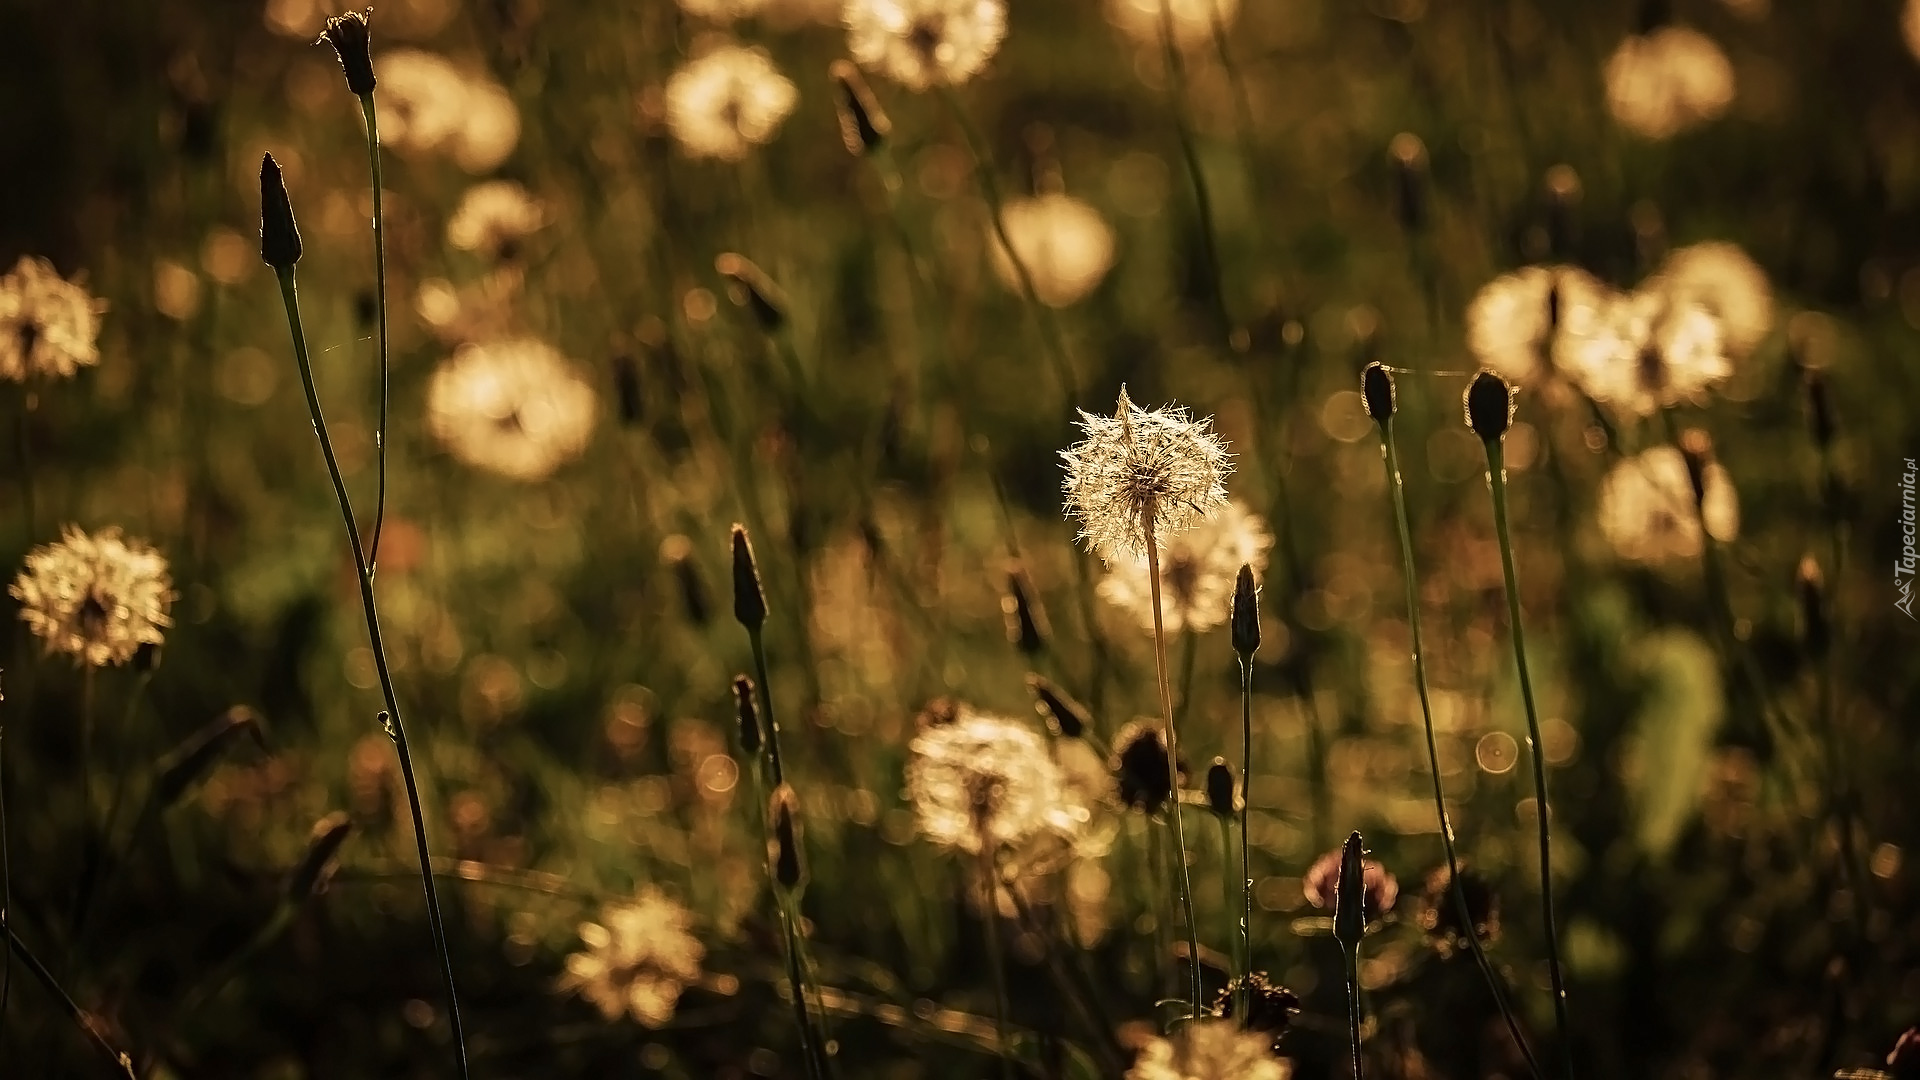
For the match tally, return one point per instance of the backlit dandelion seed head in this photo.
(97, 598)
(515, 407)
(984, 783)
(1209, 1050)
(1198, 571)
(492, 215)
(1513, 320)
(48, 325)
(1065, 245)
(728, 101)
(1664, 82)
(1647, 510)
(1723, 280)
(427, 105)
(1640, 353)
(1141, 469)
(921, 44)
(1192, 20)
(638, 958)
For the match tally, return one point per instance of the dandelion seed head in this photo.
(492, 215)
(921, 44)
(1192, 20)
(1724, 281)
(638, 958)
(1064, 244)
(514, 407)
(1198, 571)
(1641, 352)
(427, 105)
(97, 598)
(1647, 510)
(1664, 82)
(983, 783)
(1513, 320)
(1209, 1050)
(48, 325)
(726, 102)
(1140, 469)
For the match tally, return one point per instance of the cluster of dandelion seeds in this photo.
(1209, 1050)
(492, 215)
(97, 597)
(1064, 244)
(48, 325)
(1141, 469)
(921, 44)
(726, 102)
(1198, 570)
(514, 407)
(638, 959)
(1668, 80)
(1192, 19)
(1648, 512)
(428, 105)
(983, 783)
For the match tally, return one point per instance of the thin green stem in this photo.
(1353, 1008)
(380, 314)
(1433, 750)
(1229, 906)
(766, 703)
(810, 1048)
(996, 963)
(1190, 154)
(26, 468)
(1246, 805)
(1173, 762)
(79, 1016)
(1497, 481)
(395, 729)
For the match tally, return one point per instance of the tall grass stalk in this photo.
(1189, 153)
(1246, 803)
(81, 1018)
(1184, 878)
(380, 316)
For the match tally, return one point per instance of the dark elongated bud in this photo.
(1350, 895)
(309, 878)
(751, 288)
(194, 758)
(749, 714)
(864, 126)
(1409, 180)
(1489, 405)
(783, 843)
(348, 34)
(1246, 614)
(1220, 794)
(279, 237)
(1067, 717)
(1696, 449)
(626, 388)
(749, 602)
(1376, 386)
(1023, 617)
(1811, 589)
(1819, 410)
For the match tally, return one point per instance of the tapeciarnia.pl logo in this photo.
(1903, 567)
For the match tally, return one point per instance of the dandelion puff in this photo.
(492, 215)
(1513, 320)
(980, 782)
(1139, 469)
(728, 101)
(921, 44)
(48, 325)
(97, 597)
(1664, 82)
(1198, 572)
(1065, 245)
(1209, 1050)
(1192, 19)
(1647, 509)
(638, 958)
(1642, 352)
(514, 407)
(423, 99)
(1723, 280)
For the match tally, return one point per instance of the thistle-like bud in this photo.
(1246, 614)
(749, 602)
(279, 237)
(1221, 797)
(751, 288)
(783, 843)
(1022, 616)
(1696, 449)
(1489, 406)
(348, 34)
(197, 755)
(309, 878)
(1349, 895)
(1819, 411)
(748, 713)
(1810, 586)
(1376, 386)
(1270, 1006)
(626, 387)
(1068, 718)
(1409, 180)
(864, 126)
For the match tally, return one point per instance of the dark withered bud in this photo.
(1221, 798)
(1810, 586)
(1068, 718)
(749, 602)
(195, 757)
(1409, 180)
(783, 846)
(1140, 767)
(1270, 1006)
(1819, 411)
(1376, 387)
(309, 878)
(1489, 405)
(279, 237)
(348, 34)
(626, 389)
(863, 124)
(1349, 895)
(748, 713)
(1696, 448)
(146, 658)
(751, 288)
(1903, 1061)
(1023, 616)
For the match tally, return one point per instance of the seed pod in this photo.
(748, 714)
(1489, 406)
(187, 763)
(309, 878)
(751, 288)
(1349, 895)
(749, 602)
(1023, 619)
(784, 843)
(1067, 717)
(1376, 386)
(279, 236)
(863, 124)
(1221, 798)
(1819, 411)
(348, 34)
(1811, 588)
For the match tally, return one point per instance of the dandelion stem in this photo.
(380, 315)
(80, 1016)
(1246, 804)
(766, 702)
(1202, 199)
(1497, 482)
(990, 921)
(1433, 750)
(395, 729)
(810, 1048)
(1353, 1006)
(1147, 520)
(1229, 904)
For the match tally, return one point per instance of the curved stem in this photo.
(1173, 762)
(395, 729)
(380, 313)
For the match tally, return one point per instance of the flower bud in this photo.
(1220, 794)
(279, 237)
(1349, 895)
(1246, 614)
(1811, 589)
(748, 713)
(749, 602)
(1068, 718)
(783, 845)
(863, 124)
(1023, 618)
(751, 288)
(1376, 386)
(1489, 405)
(349, 38)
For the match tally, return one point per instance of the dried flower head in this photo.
(723, 104)
(1647, 508)
(1666, 81)
(925, 43)
(350, 37)
(1270, 1006)
(98, 598)
(1192, 20)
(515, 407)
(1382, 888)
(982, 783)
(638, 958)
(1209, 1050)
(48, 325)
(1641, 352)
(1724, 281)
(1139, 766)
(492, 215)
(1513, 320)
(1064, 244)
(1198, 572)
(1440, 914)
(1140, 469)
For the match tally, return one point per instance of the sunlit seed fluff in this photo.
(97, 598)
(1723, 280)
(1641, 352)
(48, 325)
(1647, 510)
(1513, 320)
(638, 958)
(982, 783)
(723, 104)
(492, 215)
(921, 44)
(514, 407)
(722, 11)
(1192, 20)
(427, 105)
(1664, 82)
(1199, 569)
(1141, 469)
(1064, 244)
(1209, 1050)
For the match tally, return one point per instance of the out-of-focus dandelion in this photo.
(1064, 243)
(722, 10)
(1382, 888)
(428, 105)
(1513, 320)
(1723, 280)
(1647, 509)
(982, 783)
(515, 407)
(726, 102)
(48, 325)
(1209, 1050)
(1140, 469)
(1198, 570)
(925, 43)
(1192, 19)
(97, 597)
(638, 958)
(1642, 352)
(1668, 80)
(492, 215)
